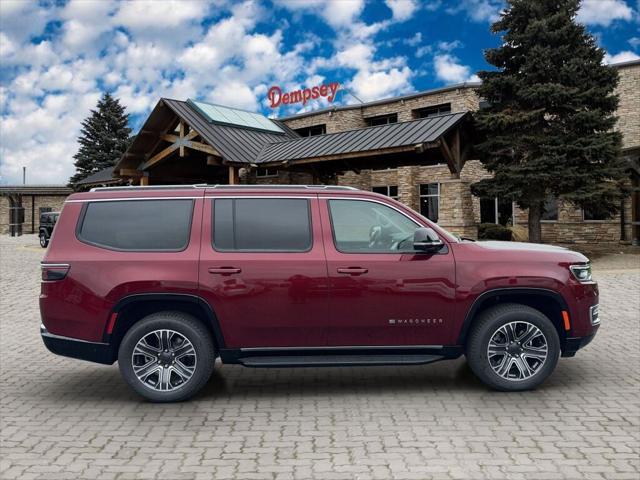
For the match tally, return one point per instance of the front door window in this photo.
(367, 227)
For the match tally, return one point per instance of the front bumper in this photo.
(75, 348)
(573, 344)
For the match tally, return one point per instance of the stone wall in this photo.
(572, 228)
(629, 108)
(55, 202)
(459, 211)
(461, 99)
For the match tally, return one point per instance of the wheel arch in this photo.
(548, 302)
(133, 308)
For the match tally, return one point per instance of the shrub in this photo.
(493, 231)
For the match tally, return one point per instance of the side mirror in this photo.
(426, 240)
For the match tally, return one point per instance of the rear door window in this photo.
(261, 224)
(137, 225)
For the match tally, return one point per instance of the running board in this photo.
(276, 361)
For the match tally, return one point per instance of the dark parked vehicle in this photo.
(167, 279)
(47, 222)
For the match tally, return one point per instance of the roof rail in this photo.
(221, 187)
(280, 187)
(147, 187)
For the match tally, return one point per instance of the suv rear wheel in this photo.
(167, 356)
(513, 347)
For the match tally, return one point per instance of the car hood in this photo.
(521, 248)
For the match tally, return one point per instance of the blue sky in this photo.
(57, 57)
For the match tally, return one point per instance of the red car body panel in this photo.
(300, 299)
(276, 299)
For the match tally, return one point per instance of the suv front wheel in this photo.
(167, 356)
(44, 241)
(513, 347)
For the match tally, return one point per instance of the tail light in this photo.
(54, 271)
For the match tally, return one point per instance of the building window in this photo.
(388, 190)
(595, 213)
(45, 210)
(312, 131)
(431, 111)
(550, 208)
(266, 172)
(496, 210)
(430, 200)
(382, 120)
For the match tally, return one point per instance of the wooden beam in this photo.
(448, 155)
(213, 160)
(161, 155)
(456, 149)
(129, 172)
(144, 180)
(233, 175)
(202, 147)
(182, 129)
(369, 153)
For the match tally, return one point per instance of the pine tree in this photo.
(548, 127)
(103, 139)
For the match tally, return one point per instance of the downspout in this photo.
(33, 214)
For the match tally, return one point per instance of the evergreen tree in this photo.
(548, 127)
(103, 139)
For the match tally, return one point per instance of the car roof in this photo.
(191, 191)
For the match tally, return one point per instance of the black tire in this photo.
(487, 324)
(186, 326)
(44, 241)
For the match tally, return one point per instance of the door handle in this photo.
(224, 270)
(353, 270)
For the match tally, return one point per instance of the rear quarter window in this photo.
(137, 225)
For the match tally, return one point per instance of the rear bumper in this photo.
(573, 344)
(74, 348)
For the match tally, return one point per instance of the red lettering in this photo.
(271, 95)
(276, 97)
(306, 95)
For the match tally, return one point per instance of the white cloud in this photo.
(402, 9)
(626, 56)
(603, 12)
(449, 69)
(150, 14)
(385, 83)
(414, 41)
(448, 46)
(634, 42)
(478, 10)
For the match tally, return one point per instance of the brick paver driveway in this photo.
(63, 418)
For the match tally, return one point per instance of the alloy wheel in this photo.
(164, 360)
(517, 350)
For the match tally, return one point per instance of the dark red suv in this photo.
(167, 279)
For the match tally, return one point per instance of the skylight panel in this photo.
(234, 116)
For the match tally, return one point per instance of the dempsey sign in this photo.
(276, 97)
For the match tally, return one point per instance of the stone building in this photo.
(416, 148)
(22, 205)
(457, 210)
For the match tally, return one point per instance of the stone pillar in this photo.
(408, 187)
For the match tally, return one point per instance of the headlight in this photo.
(582, 273)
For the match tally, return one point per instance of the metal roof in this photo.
(235, 144)
(380, 137)
(35, 190)
(101, 176)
